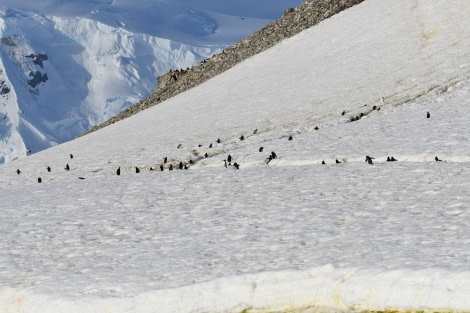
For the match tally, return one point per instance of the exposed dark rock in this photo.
(38, 58)
(37, 78)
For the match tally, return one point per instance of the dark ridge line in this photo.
(291, 23)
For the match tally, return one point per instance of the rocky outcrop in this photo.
(38, 59)
(291, 23)
(171, 77)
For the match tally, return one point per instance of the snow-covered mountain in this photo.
(283, 232)
(66, 66)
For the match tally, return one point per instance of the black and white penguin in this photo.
(161, 168)
(428, 115)
(137, 170)
(48, 168)
(39, 180)
(242, 137)
(67, 167)
(260, 149)
(71, 156)
(290, 137)
(337, 162)
(236, 165)
(171, 167)
(118, 171)
(180, 165)
(229, 158)
(369, 160)
(323, 162)
(18, 171)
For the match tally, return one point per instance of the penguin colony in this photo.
(227, 163)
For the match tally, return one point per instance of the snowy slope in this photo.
(292, 235)
(71, 65)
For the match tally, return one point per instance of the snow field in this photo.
(292, 235)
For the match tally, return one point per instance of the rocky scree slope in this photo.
(291, 23)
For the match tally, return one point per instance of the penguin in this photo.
(181, 165)
(242, 137)
(388, 159)
(316, 128)
(171, 167)
(71, 156)
(255, 131)
(225, 163)
(229, 158)
(437, 159)
(18, 171)
(374, 107)
(369, 160)
(337, 162)
(269, 159)
(260, 149)
(342, 113)
(39, 180)
(48, 168)
(199, 145)
(290, 137)
(81, 178)
(67, 167)
(179, 146)
(273, 155)
(186, 167)
(393, 159)
(428, 115)
(161, 168)
(323, 162)
(118, 172)
(165, 159)
(210, 146)
(191, 161)
(218, 140)
(236, 165)
(151, 169)
(206, 155)
(137, 170)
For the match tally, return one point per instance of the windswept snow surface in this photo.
(69, 65)
(292, 235)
